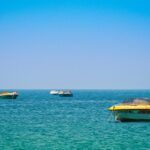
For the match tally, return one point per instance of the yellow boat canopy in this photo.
(129, 107)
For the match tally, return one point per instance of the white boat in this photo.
(54, 92)
(65, 93)
(133, 110)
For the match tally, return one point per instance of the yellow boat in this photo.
(137, 109)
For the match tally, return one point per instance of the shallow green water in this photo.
(37, 120)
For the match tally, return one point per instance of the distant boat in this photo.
(8, 95)
(137, 109)
(65, 93)
(54, 92)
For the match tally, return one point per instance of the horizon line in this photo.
(75, 88)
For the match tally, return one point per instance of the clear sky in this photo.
(100, 44)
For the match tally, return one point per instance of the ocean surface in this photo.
(37, 120)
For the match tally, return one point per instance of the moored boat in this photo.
(137, 109)
(66, 93)
(8, 95)
(54, 92)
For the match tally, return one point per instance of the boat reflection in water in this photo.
(137, 109)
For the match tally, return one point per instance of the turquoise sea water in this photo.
(37, 120)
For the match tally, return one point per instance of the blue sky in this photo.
(100, 44)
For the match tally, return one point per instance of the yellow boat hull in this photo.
(131, 112)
